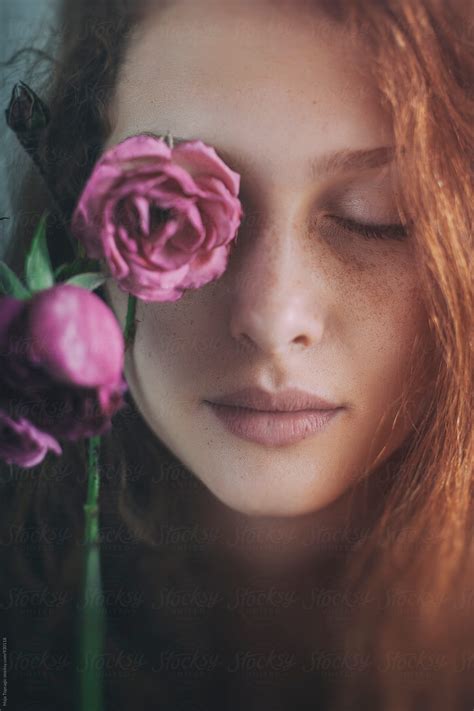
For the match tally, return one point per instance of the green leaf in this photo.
(90, 280)
(59, 271)
(10, 284)
(78, 266)
(39, 272)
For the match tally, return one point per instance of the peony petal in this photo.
(75, 336)
(10, 310)
(23, 444)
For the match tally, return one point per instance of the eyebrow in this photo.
(325, 165)
(347, 160)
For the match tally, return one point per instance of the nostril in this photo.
(301, 340)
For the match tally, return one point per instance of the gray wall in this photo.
(22, 23)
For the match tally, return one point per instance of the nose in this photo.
(275, 306)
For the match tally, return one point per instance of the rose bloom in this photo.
(162, 218)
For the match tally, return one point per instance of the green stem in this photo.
(93, 622)
(130, 322)
(93, 482)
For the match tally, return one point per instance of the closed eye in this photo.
(372, 231)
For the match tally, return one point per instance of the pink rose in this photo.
(61, 360)
(161, 218)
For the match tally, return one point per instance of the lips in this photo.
(289, 400)
(273, 419)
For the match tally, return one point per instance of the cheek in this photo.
(171, 342)
(380, 294)
(388, 337)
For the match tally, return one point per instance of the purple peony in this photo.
(22, 444)
(61, 361)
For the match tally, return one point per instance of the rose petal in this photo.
(205, 267)
(199, 158)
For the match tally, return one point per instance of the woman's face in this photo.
(277, 89)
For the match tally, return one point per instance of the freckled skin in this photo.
(325, 310)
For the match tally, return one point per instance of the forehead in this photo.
(256, 77)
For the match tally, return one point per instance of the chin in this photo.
(273, 499)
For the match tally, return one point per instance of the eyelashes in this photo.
(390, 231)
(395, 231)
